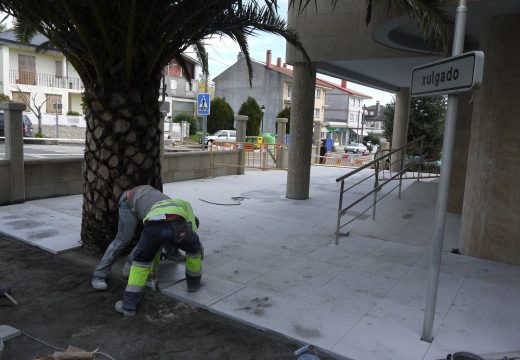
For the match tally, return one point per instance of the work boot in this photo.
(99, 284)
(194, 287)
(121, 310)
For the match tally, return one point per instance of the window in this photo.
(351, 116)
(371, 113)
(358, 101)
(53, 102)
(173, 84)
(59, 69)
(316, 112)
(289, 91)
(22, 97)
(317, 93)
(352, 101)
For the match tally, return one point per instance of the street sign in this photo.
(203, 104)
(452, 75)
(164, 107)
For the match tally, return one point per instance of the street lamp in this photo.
(363, 114)
(262, 123)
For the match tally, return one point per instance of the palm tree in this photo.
(119, 49)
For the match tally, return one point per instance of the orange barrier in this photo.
(256, 156)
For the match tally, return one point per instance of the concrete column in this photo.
(241, 127)
(316, 141)
(490, 226)
(6, 86)
(241, 124)
(14, 148)
(281, 124)
(302, 115)
(400, 130)
(460, 153)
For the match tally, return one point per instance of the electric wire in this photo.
(96, 353)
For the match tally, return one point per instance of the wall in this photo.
(60, 177)
(267, 90)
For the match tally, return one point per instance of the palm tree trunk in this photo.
(122, 150)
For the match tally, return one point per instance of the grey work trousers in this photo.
(128, 222)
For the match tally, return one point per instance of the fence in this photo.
(253, 155)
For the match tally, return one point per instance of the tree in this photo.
(35, 108)
(4, 97)
(427, 116)
(251, 109)
(194, 124)
(285, 113)
(221, 115)
(119, 49)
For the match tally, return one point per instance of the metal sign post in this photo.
(203, 109)
(447, 150)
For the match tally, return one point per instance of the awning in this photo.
(358, 131)
(335, 124)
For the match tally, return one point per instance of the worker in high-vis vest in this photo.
(169, 221)
(134, 205)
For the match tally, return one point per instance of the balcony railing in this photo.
(48, 80)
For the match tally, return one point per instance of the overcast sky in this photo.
(223, 53)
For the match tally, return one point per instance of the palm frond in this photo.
(202, 56)
(24, 31)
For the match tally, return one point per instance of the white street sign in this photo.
(452, 75)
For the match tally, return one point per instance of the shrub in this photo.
(73, 113)
(221, 116)
(251, 109)
(4, 97)
(194, 124)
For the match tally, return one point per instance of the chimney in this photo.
(377, 108)
(344, 84)
(284, 65)
(279, 62)
(268, 59)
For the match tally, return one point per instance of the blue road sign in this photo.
(203, 104)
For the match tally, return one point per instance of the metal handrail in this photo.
(377, 185)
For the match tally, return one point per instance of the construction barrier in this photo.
(253, 155)
(343, 159)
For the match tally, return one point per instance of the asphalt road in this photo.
(35, 151)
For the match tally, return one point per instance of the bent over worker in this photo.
(134, 204)
(169, 222)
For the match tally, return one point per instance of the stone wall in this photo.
(65, 132)
(46, 178)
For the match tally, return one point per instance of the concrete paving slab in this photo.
(51, 230)
(272, 263)
(8, 332)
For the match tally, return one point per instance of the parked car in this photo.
(222, 135)
(27, 126)
(355, 147)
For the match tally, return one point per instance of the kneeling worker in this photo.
(169, 222)
(134, 204)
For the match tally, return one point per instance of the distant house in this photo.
(48, 77)
(180, 94)
(343, 113)
(374, 119)
(271, 88)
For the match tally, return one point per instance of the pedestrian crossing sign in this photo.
(203, 104)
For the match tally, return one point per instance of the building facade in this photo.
(272, 88)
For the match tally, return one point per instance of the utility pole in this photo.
(442, 194)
